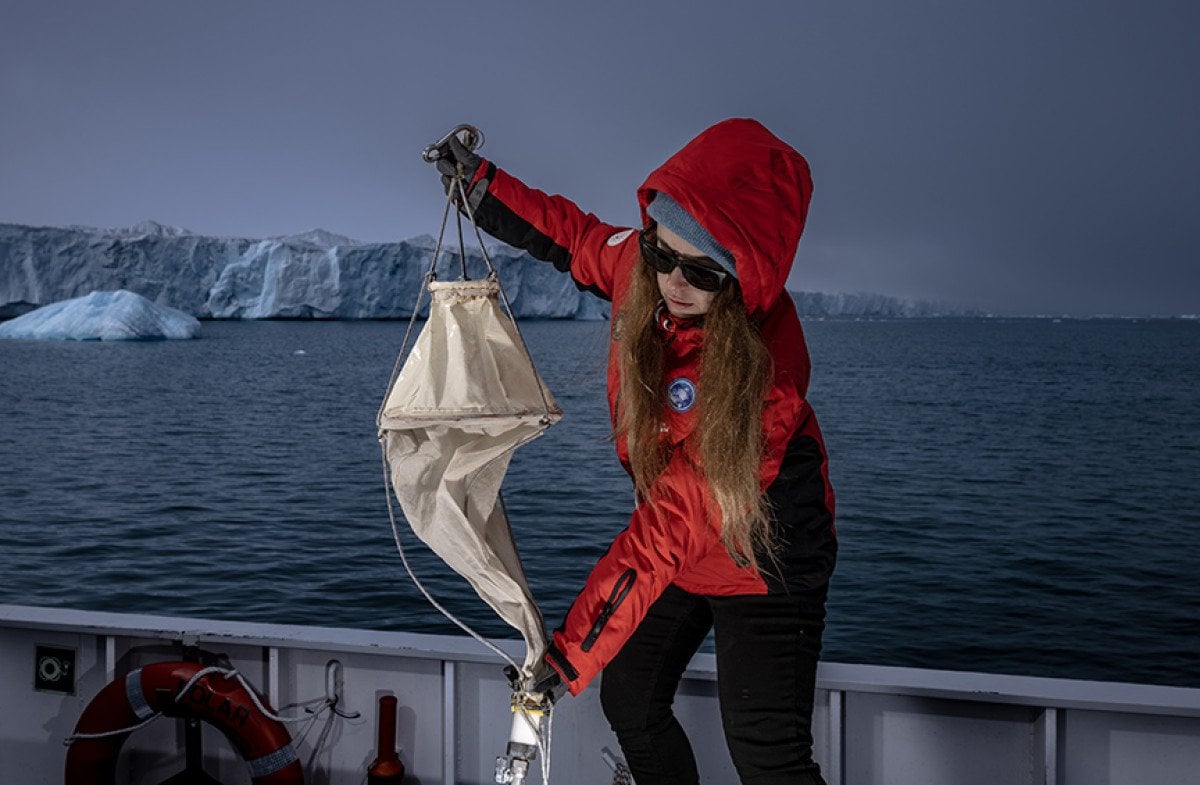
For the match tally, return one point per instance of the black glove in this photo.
(550, 685)
(453, 159)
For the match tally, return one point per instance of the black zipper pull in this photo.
(620, 591)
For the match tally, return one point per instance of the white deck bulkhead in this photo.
(874, 725)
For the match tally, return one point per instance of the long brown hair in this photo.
(735, 375)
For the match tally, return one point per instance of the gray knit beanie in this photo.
(667, 212)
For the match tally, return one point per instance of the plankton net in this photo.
(465, 399)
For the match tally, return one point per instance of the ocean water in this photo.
(1018, 496)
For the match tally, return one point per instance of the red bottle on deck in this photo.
(386, 769)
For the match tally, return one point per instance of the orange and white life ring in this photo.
(263, 742)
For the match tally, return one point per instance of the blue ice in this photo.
(102, 316)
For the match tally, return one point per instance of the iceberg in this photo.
(316, 275)
(312, 275)
(102, 316)
(866, 305)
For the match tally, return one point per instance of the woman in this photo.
(708, 372)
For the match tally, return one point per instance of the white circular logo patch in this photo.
(681, 394)
(619, 238)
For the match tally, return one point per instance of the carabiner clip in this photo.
(470, 136)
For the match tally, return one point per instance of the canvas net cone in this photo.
(466, 398)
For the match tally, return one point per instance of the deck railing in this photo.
(872, 724)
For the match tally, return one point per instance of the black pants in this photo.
(767, 651)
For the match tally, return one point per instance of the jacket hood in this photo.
(750, 191)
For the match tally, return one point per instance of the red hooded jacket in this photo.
(750, 191)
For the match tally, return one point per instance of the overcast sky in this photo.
(1023, 156)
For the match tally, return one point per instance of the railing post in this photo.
(110, 658)
(273, 676)
(449, 721)
(1047, 727)
(834, 767)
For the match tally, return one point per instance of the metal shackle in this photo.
(470, 137)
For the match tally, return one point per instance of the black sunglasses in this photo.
(664, 261)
